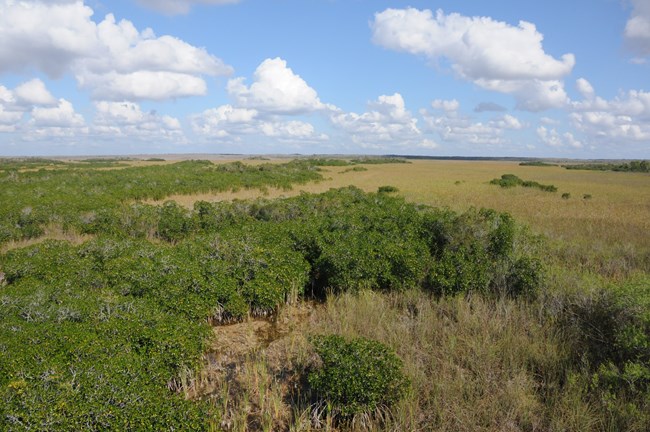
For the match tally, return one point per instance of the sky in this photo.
(441, 78)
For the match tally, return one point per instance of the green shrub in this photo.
(174, 222)
(459, 271)
(507, 181)
(566, 195)
(537, 164)
(511, 180)
(387, 189)
(524, 277)
(356, 376)
(354, 169)
(608, 333)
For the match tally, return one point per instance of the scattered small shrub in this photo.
(355, 169)
(511, 180)
(387, 189)
(586, 196)
(357, 376)
(537, 164)
(566, 195)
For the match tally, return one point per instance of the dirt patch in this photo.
(253, 371)
(258, 336)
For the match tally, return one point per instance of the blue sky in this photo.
(448, 78)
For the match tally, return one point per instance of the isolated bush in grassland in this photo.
(566, 195)
(511, 180)
(387, 189)
(475, 364)
(356, 376)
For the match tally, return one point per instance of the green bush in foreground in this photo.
(357, 376)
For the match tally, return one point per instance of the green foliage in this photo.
(507, 181)
(173, 223)
(84, 354)
(459, 271)
(356, 376)
(525, 277)
(78, 196)
(379, 160)
(97, 331)
(355, 169)
(642, 166)
(511, 180)
(479, 251)
(15, 164)
(566, 195)
(387, 189)
(537, 164)
(610, 333)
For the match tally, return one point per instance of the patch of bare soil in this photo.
(253, 370)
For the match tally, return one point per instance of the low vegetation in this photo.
(642, 166)
(409, 316)
(537, 164)
(511, 180)
(356, 376)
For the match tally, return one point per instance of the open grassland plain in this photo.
(239, 295)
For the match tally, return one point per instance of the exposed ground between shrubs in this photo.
(253, 370)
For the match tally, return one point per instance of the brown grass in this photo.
(51, 232)
(475, 365)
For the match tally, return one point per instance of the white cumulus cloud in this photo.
(553, 138)
(62, 115)
(276, 89)
(233, 124)
(111, 59)
(623, 119)
(387, 122)
(9, 116)
(492, 54)
(585, 88)
(48, 36)
(126, 119)
(57, 122)
(452, 126)
(31, 96)
(637, 28)
(34, 92)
